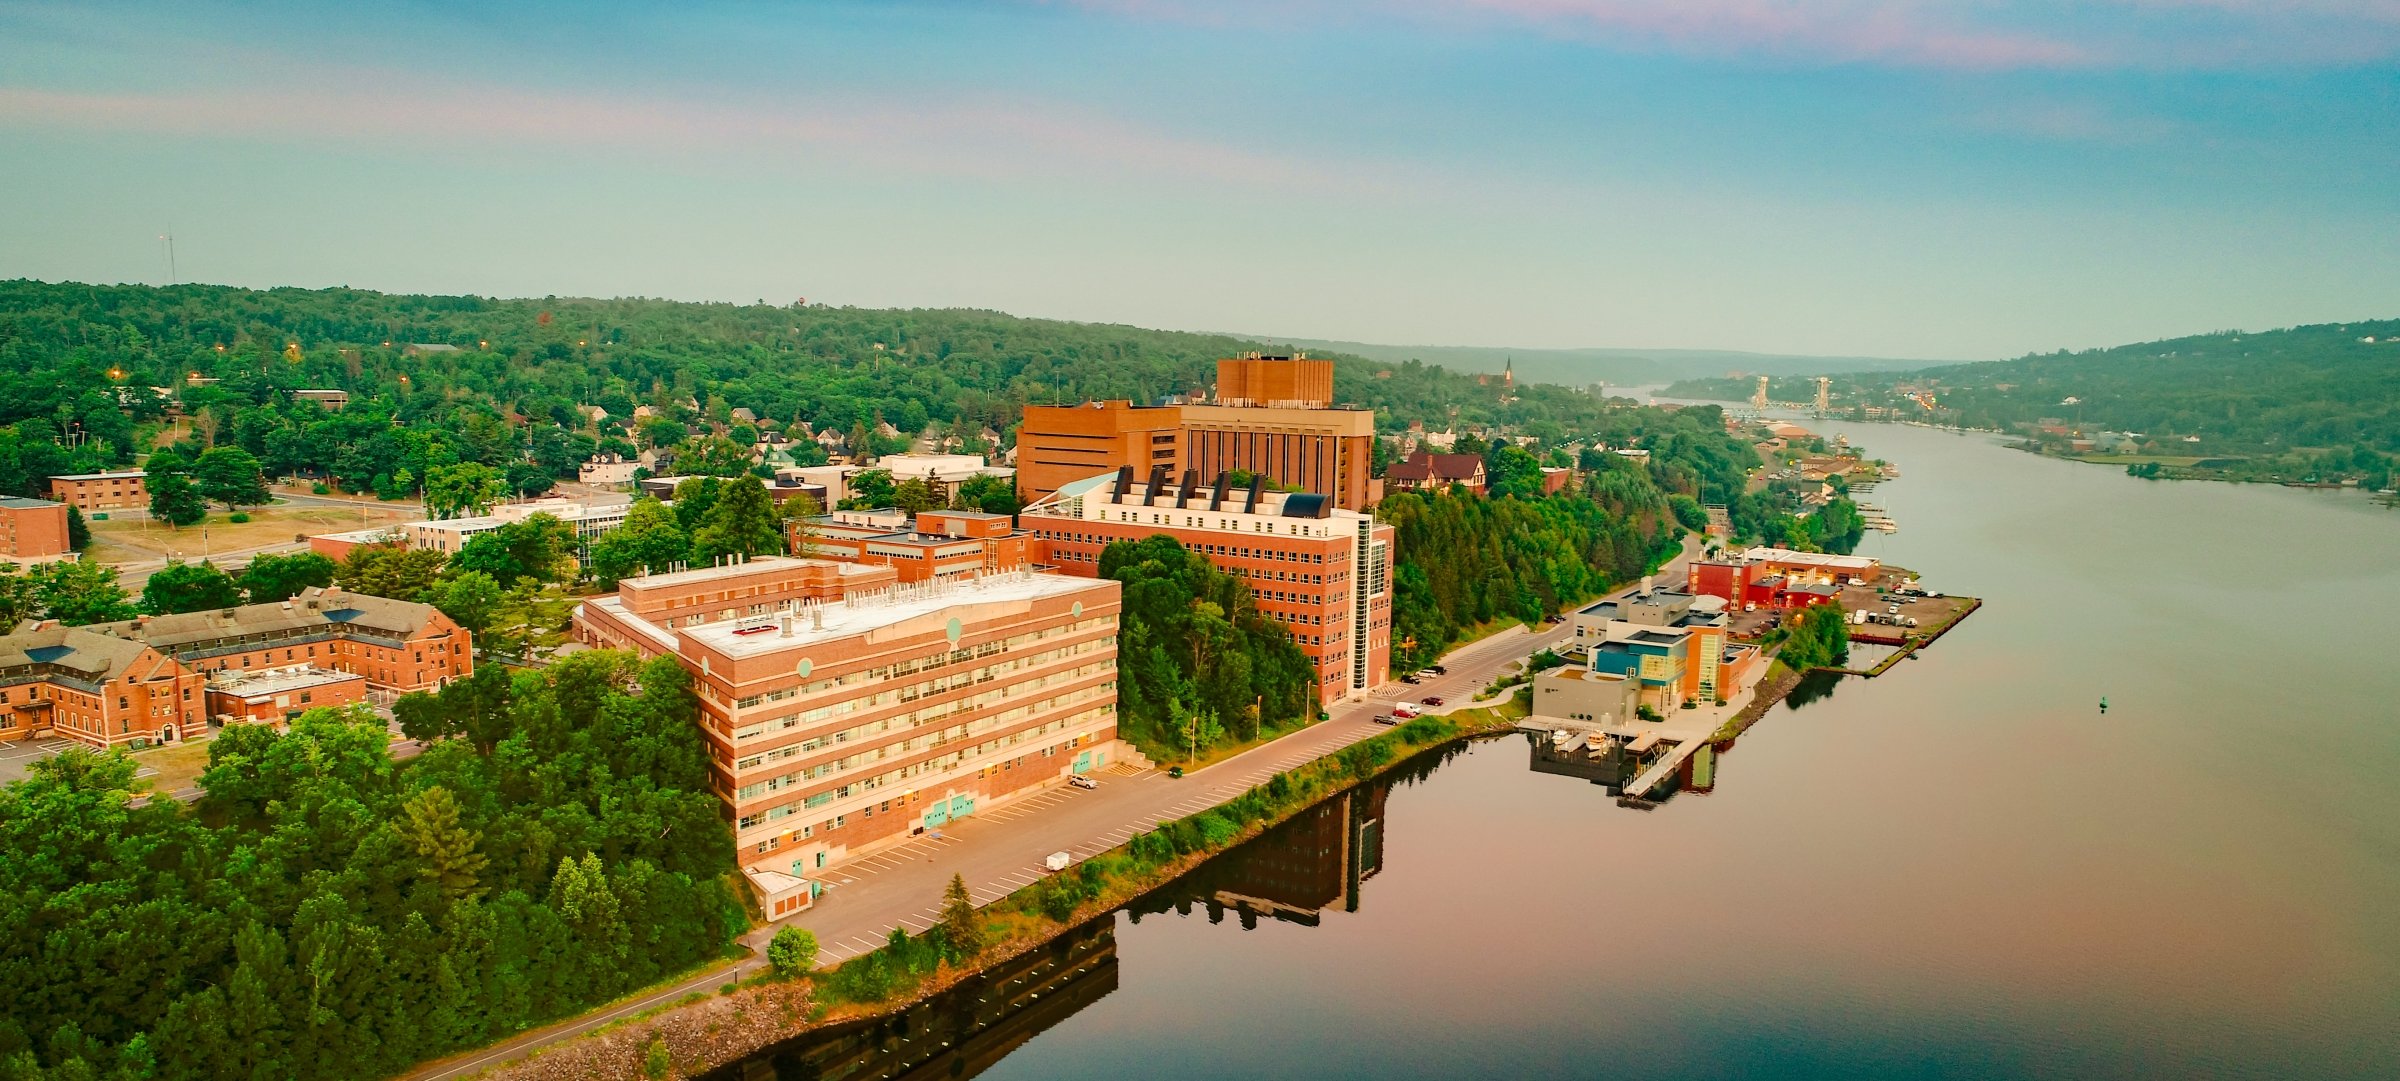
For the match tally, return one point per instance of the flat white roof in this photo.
(102, 476)
(876, 609)
(1817, 559)
(279, 681)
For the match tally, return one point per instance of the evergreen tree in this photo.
(960, 932)
(447, 850)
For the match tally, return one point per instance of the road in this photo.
(1000, 850)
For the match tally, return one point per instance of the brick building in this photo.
(1425, 470)
(33, 531)
(1322, 572)
(393, 645)
(931, 545)
(94, 688)
(102, 491)
(1272, 415)
(156, 678)
(278, 695)
(846, 710)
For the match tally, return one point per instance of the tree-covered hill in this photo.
(76, 362)
(2323, 387)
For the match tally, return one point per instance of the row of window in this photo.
(930, 766)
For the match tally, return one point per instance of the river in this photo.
(1960, 869)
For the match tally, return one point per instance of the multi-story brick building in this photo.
(33, 531)
(932, 544)
(846, 709)
(1272, 416)
(394, 645)
(149, 680)
(102, 491)
(1323, 572)
(94, 688)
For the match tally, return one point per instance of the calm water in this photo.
(1962, 869)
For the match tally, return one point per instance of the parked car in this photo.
(1405, 710)
(1411, 678)
(1174, 771)
(1386, 718)
(1433, 699)
(1554, 619)
(1438, 670)
(1081, 781)
(1057, 861)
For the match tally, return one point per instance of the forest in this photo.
(2315, 402)
(88, 374)
(1197, 663)
(326, 912)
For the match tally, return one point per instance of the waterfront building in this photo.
(33, 531)
(1747, 585)
(1815, 568)
(1273, 415)
(846, 710)
(1659, 659)
(1321, 571)
(1712, 664)
(932, 544)
(102, 491)
(1580, 695)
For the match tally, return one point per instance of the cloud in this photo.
(1970, 35)
(994, 138)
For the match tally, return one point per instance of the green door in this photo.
(1083, 762)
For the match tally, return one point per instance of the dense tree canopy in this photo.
(1195, 656)
(327, 913)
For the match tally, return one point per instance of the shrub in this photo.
(1058, 900)
(237, 517)
(656, 1062)
(1216, 829)
(792, 951)
(320, 488)
(1279, 787)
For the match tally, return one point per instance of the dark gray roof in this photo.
(313, 608)
(101, 657)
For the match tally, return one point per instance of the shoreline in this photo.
(694, 1030)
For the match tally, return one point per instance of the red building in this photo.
(933, 544)
(1322, 572)
(1745, 585)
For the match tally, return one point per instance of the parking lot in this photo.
(16, 757)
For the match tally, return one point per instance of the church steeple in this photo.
(1508, 373)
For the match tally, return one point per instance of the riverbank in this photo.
(701, 1034)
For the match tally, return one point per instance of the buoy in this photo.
(2104, 704)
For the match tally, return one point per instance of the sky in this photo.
(1905, 178)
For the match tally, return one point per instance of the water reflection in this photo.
(1294, 873)
(960, 1033)
(1612, 763)
(1812, 688)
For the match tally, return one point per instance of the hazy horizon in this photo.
(1906, 180)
